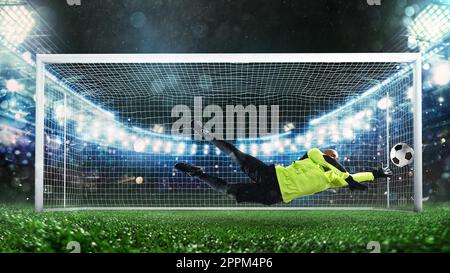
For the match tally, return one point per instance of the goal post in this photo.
(105, 135)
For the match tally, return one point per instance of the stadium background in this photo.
(221, 26)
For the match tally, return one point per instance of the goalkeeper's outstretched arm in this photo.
(354, 180)
(342, 176)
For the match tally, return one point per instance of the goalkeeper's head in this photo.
(331, 153)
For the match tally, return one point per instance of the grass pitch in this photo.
(22, 230)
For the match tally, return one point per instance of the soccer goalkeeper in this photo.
(316, 171)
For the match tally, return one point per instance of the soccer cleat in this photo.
(190, 170)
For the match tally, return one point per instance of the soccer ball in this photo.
(401, 154)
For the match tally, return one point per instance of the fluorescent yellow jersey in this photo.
(312, 175)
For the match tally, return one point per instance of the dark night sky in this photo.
(132, 26)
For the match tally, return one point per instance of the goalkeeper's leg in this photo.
(253, 167)
(214, 182)
(266, 194)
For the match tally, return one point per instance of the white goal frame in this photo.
(42, 59)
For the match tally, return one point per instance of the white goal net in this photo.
(105, 138)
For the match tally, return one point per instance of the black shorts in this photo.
(264, 189)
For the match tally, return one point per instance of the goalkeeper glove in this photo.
(382, 172)
(353, 185)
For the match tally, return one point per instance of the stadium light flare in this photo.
(350, 121)
(16, 22)
(412, 42)
(335, 136)
(384, 103)
(157, 146)
(14, 86)
(242, 148)
(193, 149)
(277, 144)
(121, 135)
(95, 134)
(168, 147)
(158, 129)
(81, 118)
(409, 11)
(287, 142)
(333, 127)
(430, 26)
(308, 137)
(111, 131)
(61, 111)
(293, 148)
(288, 127)
(348, 133)
(254, 149)
(181, 148)
(410, 93)
(320, 141)
(298, 139)
(322, 131)
(27, 57)
(266, 148)
(441, 73)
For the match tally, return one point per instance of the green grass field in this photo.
(22, 230)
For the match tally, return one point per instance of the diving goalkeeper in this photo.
(316, 171)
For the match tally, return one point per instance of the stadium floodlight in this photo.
(348, 133)
(254, 149)
(430, 26)
(307, 144)
(334, 136)
(158, 129)
(299, 139)
(333, 100)
(139, 146)
(206, 149)
(181, 148)
(266, 148)
(61, 111)
(16, 22)
(13, 86)
(157, 145)
(193, 149)
(242, 148)
(168, 147)
(441, 73)
(384, 103)
(410, 93)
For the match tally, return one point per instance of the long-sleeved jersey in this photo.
(312, 175)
